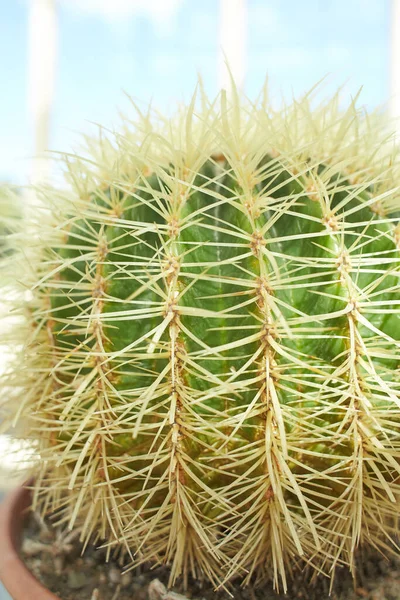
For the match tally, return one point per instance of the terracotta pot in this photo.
(17, 579)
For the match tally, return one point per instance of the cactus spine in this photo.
(212, 365)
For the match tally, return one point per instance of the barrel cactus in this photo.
(211, 348)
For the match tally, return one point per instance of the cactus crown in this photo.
(210, 358)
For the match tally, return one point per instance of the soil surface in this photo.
(55, 559)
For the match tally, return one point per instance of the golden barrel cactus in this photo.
(209, 358)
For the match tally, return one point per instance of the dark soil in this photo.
(55, 559)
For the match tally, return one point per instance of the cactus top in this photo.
(212, 361)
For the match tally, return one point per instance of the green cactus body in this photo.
(215, 342)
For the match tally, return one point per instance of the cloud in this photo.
(161, 12)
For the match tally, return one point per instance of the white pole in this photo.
(42, 65)
(232, 42)
(394, 104)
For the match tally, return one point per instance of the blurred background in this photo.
(68, 63)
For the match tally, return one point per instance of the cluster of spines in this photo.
(174, 375)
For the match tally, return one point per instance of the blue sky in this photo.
(153, 49)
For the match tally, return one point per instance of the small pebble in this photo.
(31, 548)
(59, 564)
(156, 590)
(102, 578)
(114, 575)
(174, 596)
(76, 580)
(126, 579)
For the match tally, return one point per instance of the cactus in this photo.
(10, 213)
(211, 370)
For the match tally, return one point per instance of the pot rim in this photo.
(20, 583)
